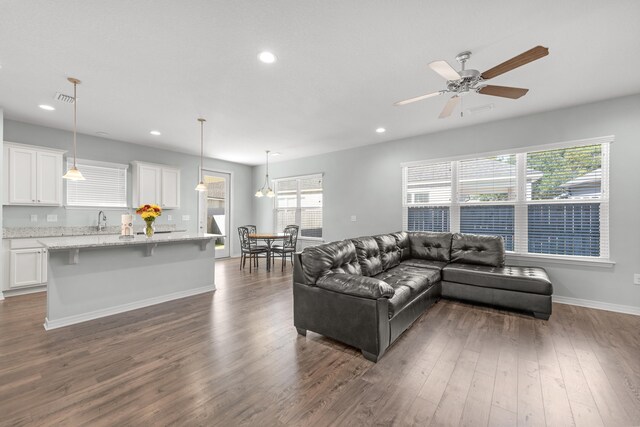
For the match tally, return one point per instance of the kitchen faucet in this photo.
(102, 217)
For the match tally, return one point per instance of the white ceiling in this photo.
(160, 64)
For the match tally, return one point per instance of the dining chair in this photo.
(288, 247)
(248, 249)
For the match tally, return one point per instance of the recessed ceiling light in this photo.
(46, 107)
(381, 130)
(267, 57)
(101, 133)
(155, 133)
(276, 154)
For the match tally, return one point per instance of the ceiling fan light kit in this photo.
(465, 81)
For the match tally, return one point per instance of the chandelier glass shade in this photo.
(266, 189)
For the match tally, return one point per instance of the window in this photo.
(105, 185)
(550, 201)
(299, 201)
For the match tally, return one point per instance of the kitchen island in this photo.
(96, 276)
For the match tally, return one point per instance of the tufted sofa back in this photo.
(402, 240)
(430, 246)
(334, 257)
(368, 254)
(478, 249)
(390, 253)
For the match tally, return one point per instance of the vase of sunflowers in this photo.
(149, 213)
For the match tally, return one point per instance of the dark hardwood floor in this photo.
(233, 358)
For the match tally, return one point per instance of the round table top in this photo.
(267, 235)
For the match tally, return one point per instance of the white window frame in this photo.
(298, 208)
(120, 166)
(521, 203)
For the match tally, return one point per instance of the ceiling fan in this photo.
(465, 81)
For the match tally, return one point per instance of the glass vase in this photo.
(149, 229)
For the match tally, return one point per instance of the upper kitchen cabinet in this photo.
(32, 175)
(156, 184)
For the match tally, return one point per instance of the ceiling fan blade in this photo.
(445, 70)
(503, 91)
(449, 107)
(419, 98)
(517, 61)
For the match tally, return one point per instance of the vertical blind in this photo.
(105, 185)
(299, 201)
(552, 201)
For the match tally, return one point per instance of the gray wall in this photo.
(366, 182)
(95, 148)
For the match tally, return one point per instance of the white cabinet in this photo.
(27, 267)
(156, 184)
(170, 188)
(32, 175)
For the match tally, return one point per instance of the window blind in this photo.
(105, 185)
(540, 201)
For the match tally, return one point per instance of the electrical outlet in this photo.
(353, 218)
(636, 279)
(169, 217)
(52, 218)
(34, 218)
(186, 217)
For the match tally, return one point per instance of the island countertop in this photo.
(97, 241)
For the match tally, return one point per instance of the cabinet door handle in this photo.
(38, 201)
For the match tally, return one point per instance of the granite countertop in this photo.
(96, 241)
(36, 232)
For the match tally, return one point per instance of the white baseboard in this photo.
(8, 293)
(84, 317)
(618, 308)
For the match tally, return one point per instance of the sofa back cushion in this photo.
(390, 253)
(478, 249)
(334, 257)
(368, 255)
(431, 246)
(402, 240)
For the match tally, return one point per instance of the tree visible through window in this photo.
(544, 201)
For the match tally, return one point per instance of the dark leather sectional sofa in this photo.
(367, 291)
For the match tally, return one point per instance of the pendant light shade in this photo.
(73, 173)
(266, 188)
(201, 185)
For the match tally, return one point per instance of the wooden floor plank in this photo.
(233, 358)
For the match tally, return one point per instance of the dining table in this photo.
(269, 239)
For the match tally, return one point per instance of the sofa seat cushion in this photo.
(424, 263)
(407, 282)
(532, 280)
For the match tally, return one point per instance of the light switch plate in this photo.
(169, 217)
(34, 218)
(52, 218)
(186, 217)
(636, 279)
(353, 218)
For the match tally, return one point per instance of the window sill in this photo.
(566, 260)
(311, 239)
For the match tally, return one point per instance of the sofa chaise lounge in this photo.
(365, 292)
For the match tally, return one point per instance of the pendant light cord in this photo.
(201, 147)
(75, 122)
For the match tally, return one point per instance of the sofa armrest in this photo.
(359, 286)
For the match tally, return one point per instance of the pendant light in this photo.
(266, 188)
(73, 173)
(201, 185)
